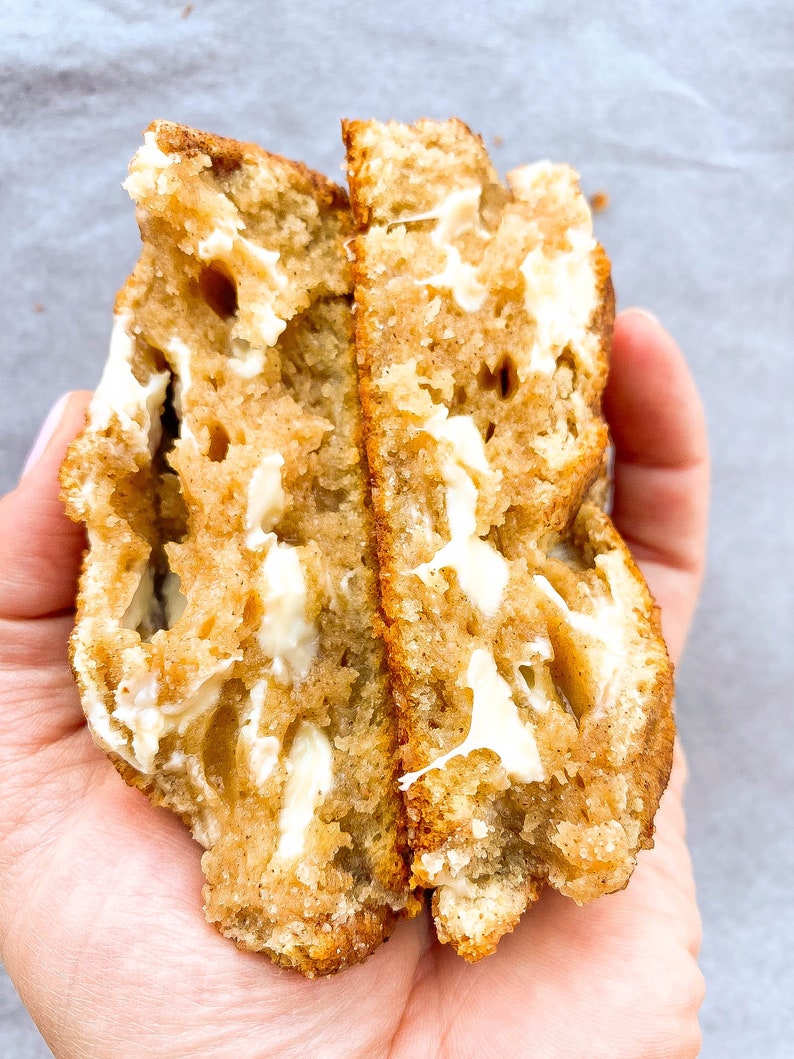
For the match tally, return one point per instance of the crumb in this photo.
(497, 140)
(38, 308)
(599, 201)
(187, 10)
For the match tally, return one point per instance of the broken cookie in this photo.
(229, 644)
(226, 643)
(533, 686)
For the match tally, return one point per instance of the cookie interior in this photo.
(530, 675)
(227, 639)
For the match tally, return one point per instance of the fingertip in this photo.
(41, 547)
(661, 467)
(61, 425)
(651, 401)
(640, 310)
(46, 430)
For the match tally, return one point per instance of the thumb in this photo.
(658, 426)
(40, 548)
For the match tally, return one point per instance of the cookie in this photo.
(532, 683)
(227, 642)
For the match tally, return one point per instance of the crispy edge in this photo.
(227, 156)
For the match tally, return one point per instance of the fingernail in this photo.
(48, 428)
(638, 309)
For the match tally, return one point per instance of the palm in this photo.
(101, 897)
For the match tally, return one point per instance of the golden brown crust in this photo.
(228, 155)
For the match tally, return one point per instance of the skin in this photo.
(100, 893)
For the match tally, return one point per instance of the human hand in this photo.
(100, 893)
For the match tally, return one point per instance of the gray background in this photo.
(684, 113)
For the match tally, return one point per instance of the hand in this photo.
(100, 893)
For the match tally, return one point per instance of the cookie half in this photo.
(532, 682)
(227, 640)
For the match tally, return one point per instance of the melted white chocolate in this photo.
(560, 282)
(180, 357)
(459, 212)
(260, 752)
(136, 405)
(495, 725)
(604, 627)
(266, 500)
(310, 777)
(285, 634)
(149, 169)
(481, 570)
(138, 708)
(219, 244)
(224, 243)
(246, 360)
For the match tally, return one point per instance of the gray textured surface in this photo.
(683, 111)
